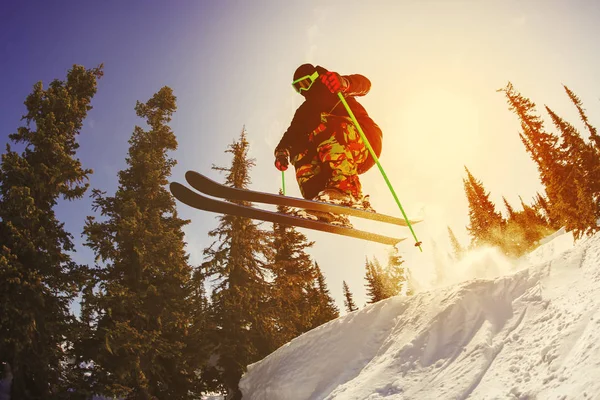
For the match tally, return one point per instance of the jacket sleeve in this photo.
(293, 132)
(358, 85)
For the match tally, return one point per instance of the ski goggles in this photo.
(305, 82)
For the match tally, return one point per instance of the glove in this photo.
(334, 82)
(282, 159)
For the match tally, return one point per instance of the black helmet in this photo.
(303, 70)
(306, 70)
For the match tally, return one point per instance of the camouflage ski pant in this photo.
(334, 153)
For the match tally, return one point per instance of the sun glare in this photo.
(443, 124)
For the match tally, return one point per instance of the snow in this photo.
(530, 332)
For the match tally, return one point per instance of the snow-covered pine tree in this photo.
(38, 277)
(349, 303)
(141, 309)
(237, 264)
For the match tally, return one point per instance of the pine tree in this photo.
(199, 328)
(535, 226)
(575, 190)
(349, 303)
(142, 310)
(523, 229)
(513, 231)
(485, 224)
(542, 146)
(237, 263)
(374, 285)
(457, 248)
(324, 308)
(383, 283)
(592, 130)
(592, 159)
(395, 273)
(509, 209)
(292, 281)
(38, 277)
(542, 208)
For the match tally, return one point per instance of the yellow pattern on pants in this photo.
(337, 144)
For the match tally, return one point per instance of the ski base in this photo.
(198, 201)
(212, 188)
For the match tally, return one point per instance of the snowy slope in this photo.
(531, 334)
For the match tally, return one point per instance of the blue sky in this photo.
(435, 67)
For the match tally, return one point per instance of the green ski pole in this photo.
(283, 182)
(387, 181)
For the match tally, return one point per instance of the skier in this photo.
(322, 142)
(328, 154)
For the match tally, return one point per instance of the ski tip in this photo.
(177, 189)
(189, 174)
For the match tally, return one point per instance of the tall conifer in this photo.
(38, 277)
(374, 279)
(542, 208)
(535, 226)
(396, 276)
(141, 309)
(349, 303)
(485, 223)
(595, 138)
(576, 188)
(293, 277)
(541, 146)
(324, 308)
(237, 265)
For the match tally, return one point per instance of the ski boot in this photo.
(330, 218)
(364, 204)
(333, 196)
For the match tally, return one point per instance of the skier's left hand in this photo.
(334, 82)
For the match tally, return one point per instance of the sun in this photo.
(442, 126)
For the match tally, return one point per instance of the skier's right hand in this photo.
(282, 159)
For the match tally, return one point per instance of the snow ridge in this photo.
(534, 333)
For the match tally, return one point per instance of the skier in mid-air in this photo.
(322, 142)
(328, 153)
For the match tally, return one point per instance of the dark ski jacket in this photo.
(318, 100)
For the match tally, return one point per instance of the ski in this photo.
(212, 188)
(198, 201)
